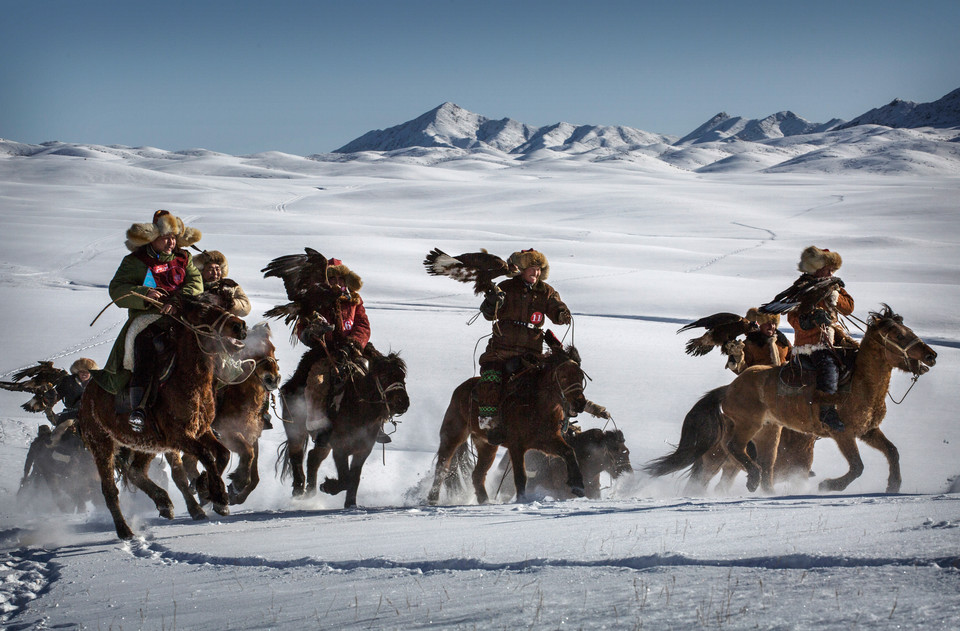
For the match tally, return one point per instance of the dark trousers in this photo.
(828, 370)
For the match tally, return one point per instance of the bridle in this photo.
(900, 350)
(575, 387)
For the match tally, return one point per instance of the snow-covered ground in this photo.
(636, 249)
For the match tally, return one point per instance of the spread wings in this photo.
(479, 268)
(305, 281)
(805, 293)
(721, 328)
(36, 380)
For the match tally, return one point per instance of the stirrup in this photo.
(137, 420)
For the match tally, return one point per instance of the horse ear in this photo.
(371, 351)
(553, 343)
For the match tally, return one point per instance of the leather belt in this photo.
(523, 324)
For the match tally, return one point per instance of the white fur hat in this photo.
(813, 259)
(212, 256)
(530, 258)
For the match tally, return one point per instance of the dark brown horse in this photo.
(180, 418)
(370, 399)
(752, 400)
(533, 409)
(598, 451)
(239, 421)
(65, 469)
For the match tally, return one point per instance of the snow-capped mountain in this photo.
(944, 112)
(451, 126)
(723, 126)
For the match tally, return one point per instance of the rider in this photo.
(343, 328)
(817, 330)
(766, 347)
(157, 266)
(214, 269)
(69, 389)
(517, 307)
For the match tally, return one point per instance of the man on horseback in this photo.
(69, 389)
(518, 308)
(764, 347)
(157, 267)
(214, 269)
(817, 330)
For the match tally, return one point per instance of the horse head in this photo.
(216, 330)
(259, 347)
(601, 450)
(388, 374)
(562, 369)
(902, 347)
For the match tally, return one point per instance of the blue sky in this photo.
(308, 77)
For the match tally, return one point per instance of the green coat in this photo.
(129, 278)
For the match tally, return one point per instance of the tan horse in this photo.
(532, 419)
(238, 424)
(744, 407)
(178, 421)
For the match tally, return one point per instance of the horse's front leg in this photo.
(848, 447)
(178, 471)
(137, 473)
(876, 439)
(333, 486)
(209, 451)
(101, 446)
(486, 454)
(253, 479)
(766, 441)
(240, 478)
(516, 452)
(353, 475)
(574, 475)
(316, 456)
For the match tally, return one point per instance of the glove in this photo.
(564, 317)
(596, 410)
(50, 396)
(820, 316)
(733, 348)
(492, 301)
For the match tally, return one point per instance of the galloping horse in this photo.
(752, 400)
(239, 422)
(180, 418)
(369, 400)
(530, 420)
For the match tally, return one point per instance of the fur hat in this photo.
(212, 256)
(760, 318)
(164, 222)
(84, 363)
(530, 258)
(813, 259)
(335, 267)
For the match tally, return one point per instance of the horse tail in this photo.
(282, 465)
(462, 464)
(702, 428)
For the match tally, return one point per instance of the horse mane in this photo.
(560, 355)
(876, 317)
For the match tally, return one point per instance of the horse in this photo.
(533, 409)
(180, 418)
(597, 451)
(794, 451)
(239, 421)
(65, 468)
(743, 408)
(370, 398)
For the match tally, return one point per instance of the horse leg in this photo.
(137, 473)
(705, 468)
(315, 458)
(178, 471)
(253, 476)
(353, 479)
(240, 478)
(848, 447)
(743, 432)
(101, 446)
(876, 439)
(766, 441)
(209, 451)
(519, 471)
(295, 449)
(333, 486)
(449, 443)
(486, 454)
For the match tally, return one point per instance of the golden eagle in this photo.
(42, 378)
(721, 328)
(804, 294)
(305, 280)
(479, 268)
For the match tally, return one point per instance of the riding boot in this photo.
(138, 416)
(830, 418)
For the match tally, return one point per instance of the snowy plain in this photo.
(636, 250)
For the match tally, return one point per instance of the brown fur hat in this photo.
(530, 258)
(164, 222)
(759, 317)
(813, 259)
(212, 256)
(84, 363)
(335, 267)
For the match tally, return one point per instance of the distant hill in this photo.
(723, 126)
(944, 112)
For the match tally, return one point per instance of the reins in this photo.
(897, 348)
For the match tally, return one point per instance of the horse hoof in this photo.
(167, 512)
(753, 483)
(198, 514)
(578, 491)
(331, 486)
(221, 509)
(124, 532)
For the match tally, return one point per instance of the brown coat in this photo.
(808, 340)
(518, 329)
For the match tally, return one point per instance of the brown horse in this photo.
(180, 418)
(66, 469)
(369, 400)
(239, 422)
(794, 450)
(752, 400)
(533, 409)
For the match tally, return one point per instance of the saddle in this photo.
(800, 373)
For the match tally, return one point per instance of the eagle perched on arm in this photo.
(305, 280)
(479, 268)
(721, 328)
(40, 380)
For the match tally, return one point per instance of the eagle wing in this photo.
(305, 281)
(805, 293)
(35, 380)
(479, 268)
(721, 328)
